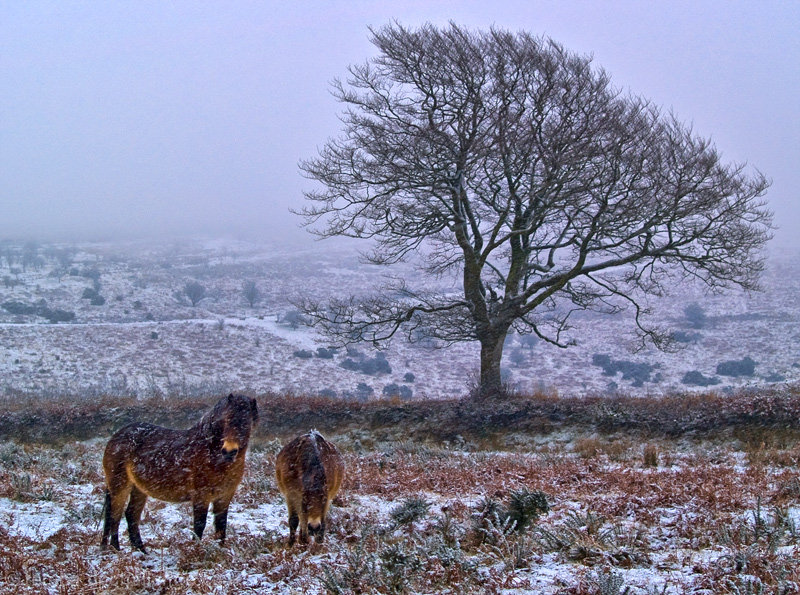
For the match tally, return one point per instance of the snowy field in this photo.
(691, 517)
(136, 332)
(628, 512)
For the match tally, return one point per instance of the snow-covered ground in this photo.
(147, 338)
(732, 526)
(710, 517)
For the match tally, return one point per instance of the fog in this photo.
(189, 118)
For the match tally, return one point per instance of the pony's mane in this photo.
(206, 423)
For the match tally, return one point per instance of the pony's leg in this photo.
(107, 522)
(116, 497)
(132, 515)
(303, 525)
(294, 520)
(200, 514)
(221, 518)
(320, 536)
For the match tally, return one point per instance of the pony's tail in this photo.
(105, 511)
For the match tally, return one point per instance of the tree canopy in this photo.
(516, 163)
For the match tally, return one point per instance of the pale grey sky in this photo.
(125, 119)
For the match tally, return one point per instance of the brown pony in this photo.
(202, 465)
(309, 471)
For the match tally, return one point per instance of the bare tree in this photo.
(194, 291)
(30, 256)
(250, 292)
(515, 163)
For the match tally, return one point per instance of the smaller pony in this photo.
(202, 465)
(309, 471)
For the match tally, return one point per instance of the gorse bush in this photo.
(525, 507)
(38, 309)
(324, 353)
(369, 366)
(376, 365)
(349, 364)
(411, 510)
(486, 520)
(405, 564)
(637, 372)
(493, 521)
(398, 564)
(21, 309)
(695, 315)
(355, 576)
(57, 315)
(364, 391)
(696, 378)
(742, 367)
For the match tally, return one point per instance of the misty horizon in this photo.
(159, 121)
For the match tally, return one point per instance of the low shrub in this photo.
(525, 507)
(650, 455)
(396, 390)
(324, 353)
(370, 366)
(695, 315)
(696, 378)
(410, 510)
(21, 309)
(57, 315)
(686, 337)
(735, 368)
(637, 372)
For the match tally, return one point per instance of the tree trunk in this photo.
(491, 354)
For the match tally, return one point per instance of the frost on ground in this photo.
(701, 517)
(135, 331)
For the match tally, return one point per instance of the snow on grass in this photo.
(33, 520)
(146, 338)
(667, 527)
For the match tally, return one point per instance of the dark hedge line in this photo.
(50, 421)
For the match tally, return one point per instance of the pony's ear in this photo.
(230, 398)
(254, 409)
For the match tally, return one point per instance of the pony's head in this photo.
(316, 527)
(315, 500)
(228, 425)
